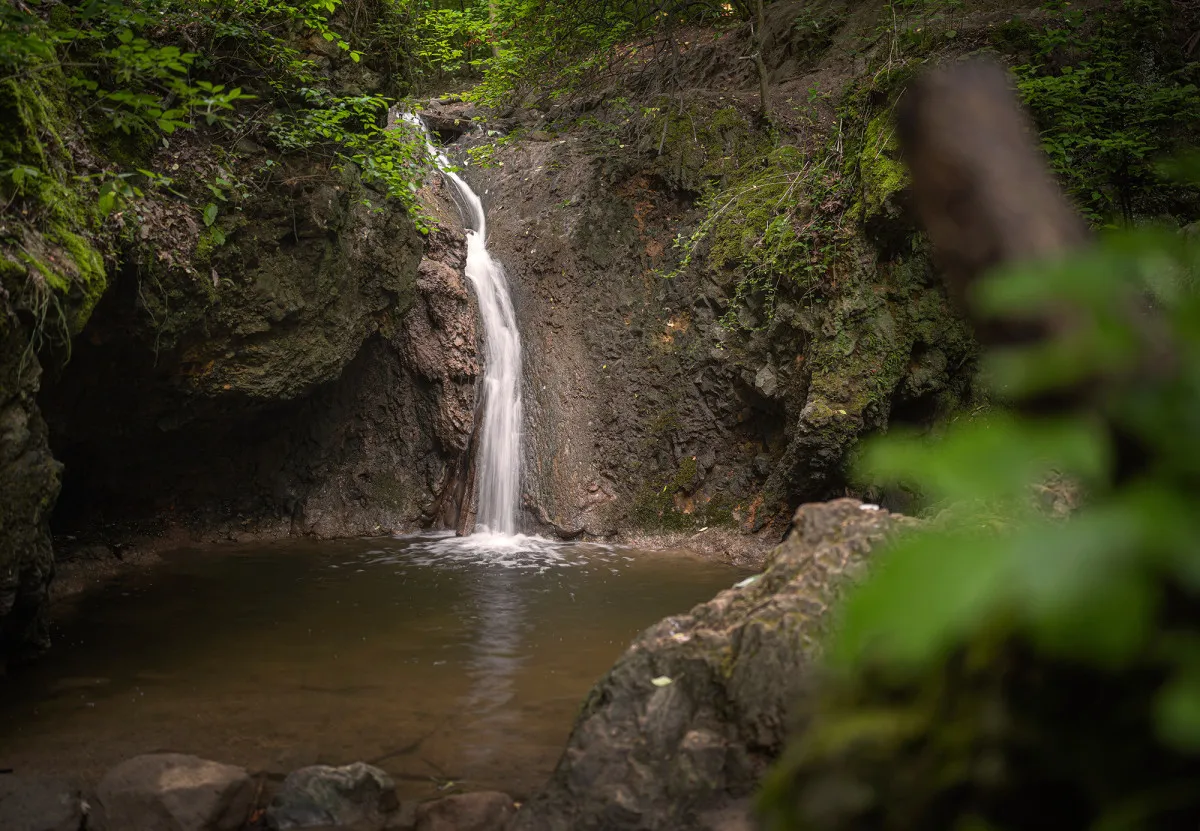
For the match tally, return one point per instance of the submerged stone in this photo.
(480, 811)
(175, 792)
(321, 796)
(40, 804)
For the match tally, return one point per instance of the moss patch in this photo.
(56, 235)
(678, 504)
(881, 173)
(698, 146)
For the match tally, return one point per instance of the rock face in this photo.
(323, 796)
(285, 391)
(692, 714)
(50, 279)
(671, 404)
(35, 804)
(29, 482)
(480, 811)
(174, 792)
(304, 364)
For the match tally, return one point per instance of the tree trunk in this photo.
(492, 28)
(760, 43)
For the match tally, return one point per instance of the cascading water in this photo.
(498, 463)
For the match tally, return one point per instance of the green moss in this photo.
(657, 507)
(881, 173)
(56, 236)
(87, 283)
(769, 230)
(211, 239)
(700, 146)
(685, 479)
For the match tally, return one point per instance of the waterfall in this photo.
(498, 463)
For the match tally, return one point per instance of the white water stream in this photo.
(498, 462)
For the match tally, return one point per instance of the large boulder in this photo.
(687, 721)
(320, 796)
(175, 792)
(40, 804)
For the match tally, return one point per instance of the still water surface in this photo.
(436, 661)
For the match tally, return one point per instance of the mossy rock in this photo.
(689, 717)
(56, 239)
(881, 173)
(52, 274)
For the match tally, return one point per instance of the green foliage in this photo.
(779, 225)
(917, 27)
(449, 40)
(562, 45)
(1112, 94)
(139, 86)
(22, 37)
(996, 583)
(352, 129)
(1131, 532)
(135, 71)
(118, 191)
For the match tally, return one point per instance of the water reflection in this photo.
(496, 658)
(439, 657)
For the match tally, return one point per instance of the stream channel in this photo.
(438, 660)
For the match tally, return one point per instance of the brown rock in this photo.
(175, 792)
(680, 731)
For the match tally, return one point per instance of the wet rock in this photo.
(449, 117)
(321, 796)
(40, 804)
(684, 725)
(480, 811)
(404, 818)
(440, 344)
(175, 792)
(29, 485)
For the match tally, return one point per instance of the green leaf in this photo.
(994, 457)
(210, 213)
(1177, 711)
(928, 590)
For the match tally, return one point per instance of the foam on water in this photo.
(516, 551)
